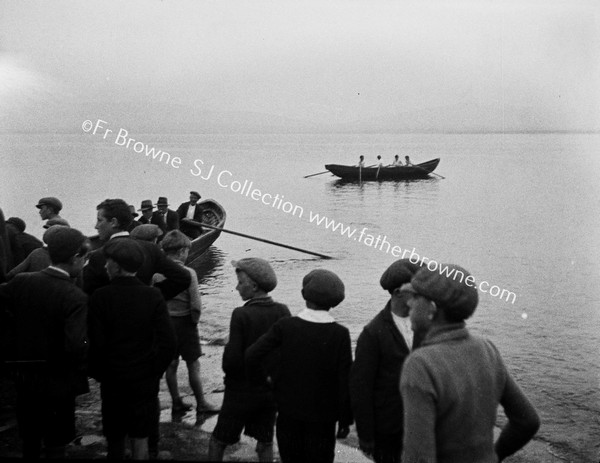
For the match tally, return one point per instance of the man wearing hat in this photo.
(49, 345)
(134, 223)
(190, 211)
(49, 208)
(381, 349)
(147, 209)
(248, 403)
(21, 244)
(164, 217)
(311, 388)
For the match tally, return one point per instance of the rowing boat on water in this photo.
(212, 214)
(384, 173)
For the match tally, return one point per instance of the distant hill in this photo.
(144, 117)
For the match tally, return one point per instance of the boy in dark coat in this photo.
(311, 388)
(131, 344)
(381, 349)
(248, 403)
(47, 313)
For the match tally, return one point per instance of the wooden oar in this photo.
(320, 173)
(263, 240)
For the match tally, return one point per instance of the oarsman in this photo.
(381, 349)
(190, 211)
(147, 209)
(49, 324)
(397, 162)
(49, 208)
(21, 244)
(407, 159)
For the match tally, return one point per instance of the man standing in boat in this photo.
(188, 211)
(164, 217)
(147, 209)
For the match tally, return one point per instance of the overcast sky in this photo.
(317, 61)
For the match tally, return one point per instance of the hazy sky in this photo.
(320, 61)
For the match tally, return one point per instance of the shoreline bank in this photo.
(182, 441)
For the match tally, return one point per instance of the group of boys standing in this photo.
(294, 374)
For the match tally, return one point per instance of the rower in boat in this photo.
(397, 162)
(192, 211)
(361, 161)
(407, 159)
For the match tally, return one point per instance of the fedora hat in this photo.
(132, 210)
(146, 204)
(162, 201)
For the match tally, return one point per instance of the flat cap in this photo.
(323, 287)
(56, 221)
(448, 290)
(63, 243)
(259, 270)
(17, 222)
(398, 273)
(196, 194)
(125, 252)
(146, 232)
(50, 201)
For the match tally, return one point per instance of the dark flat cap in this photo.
(63, 243)
(50, 201)
(17, 222)
(146, 232)
(195, 193)
(125, 252)
(398, 273)
(323, 287)
(259, 270)
(450, 290)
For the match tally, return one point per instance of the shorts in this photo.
(129, 409)
(188, 341)
(253, 412)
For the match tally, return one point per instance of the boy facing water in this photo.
(248, 404)
(311, 388)
(185, 310)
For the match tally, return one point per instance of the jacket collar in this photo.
(445, 333)
(56, 273)
(389, 319)
(259, 301)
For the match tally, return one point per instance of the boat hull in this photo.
(384, 173)
(212, 214)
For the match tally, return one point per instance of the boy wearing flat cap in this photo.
(381, 349)
(131, 344)
(248, 404)
(311, 388)
(48, 344)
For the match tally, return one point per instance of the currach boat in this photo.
(212, 214)
(384, 173)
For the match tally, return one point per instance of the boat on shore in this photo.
(212, 214)
(416, 171)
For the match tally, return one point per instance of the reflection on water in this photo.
(209, 266)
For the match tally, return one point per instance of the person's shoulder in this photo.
(376, 323)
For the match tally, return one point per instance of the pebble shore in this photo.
(184, 440)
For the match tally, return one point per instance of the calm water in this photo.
(519, 211)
